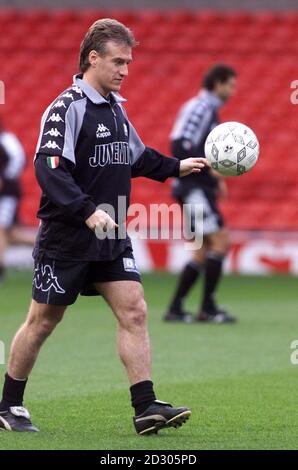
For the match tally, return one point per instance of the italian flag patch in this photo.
(53, 162)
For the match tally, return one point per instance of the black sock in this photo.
(142, 396)
(2, 272)
(213, 270)
(13, 393)
(187, 278)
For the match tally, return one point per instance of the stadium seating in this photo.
(39, 52)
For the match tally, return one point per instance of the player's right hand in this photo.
(101, 221)
(192, 165)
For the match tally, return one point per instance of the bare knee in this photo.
(220, 242)
(133, 314)
(198, 256)
(3, 241)
(41, 327)
(42, 320)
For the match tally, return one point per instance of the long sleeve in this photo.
(61, 189)
(149, 162)
(193, 123)
(152, 164)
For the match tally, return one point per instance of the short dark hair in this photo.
(99, 34)
(218, 73)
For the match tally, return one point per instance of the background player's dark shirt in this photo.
(12, 161)
(99, 152)
(195, 120)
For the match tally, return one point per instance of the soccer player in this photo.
(12, 161)
(195, 120)
(86, 155)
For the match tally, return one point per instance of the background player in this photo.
(12, 162)
(195, 120)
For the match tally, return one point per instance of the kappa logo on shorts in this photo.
(44, 279)
(130, 265)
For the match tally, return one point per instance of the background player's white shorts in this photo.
(212, 218)
(8, 207)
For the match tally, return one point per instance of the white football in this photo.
(232, 148)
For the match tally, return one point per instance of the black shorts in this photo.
(58, 282)
(8, 211)
(212, 218)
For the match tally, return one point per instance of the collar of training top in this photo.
(212, 98)
(92, 94)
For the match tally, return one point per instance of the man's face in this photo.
(227, 89)
(111, 68)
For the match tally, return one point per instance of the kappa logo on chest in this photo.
(102, 131)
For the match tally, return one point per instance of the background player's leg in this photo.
(126, 299)
(187, 278)
(40, 322)
(3, 247)
(218, 247)
(21, 236)
(8, 207)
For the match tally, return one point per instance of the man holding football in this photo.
(86, 155)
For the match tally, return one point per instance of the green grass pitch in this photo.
(237, 379)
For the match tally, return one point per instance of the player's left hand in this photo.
(192, 165)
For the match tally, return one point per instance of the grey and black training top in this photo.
(98, 151)
(197, 117)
